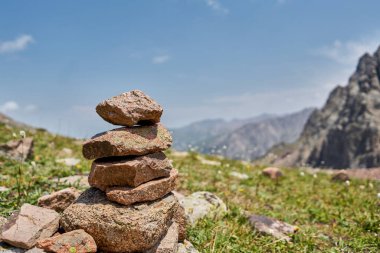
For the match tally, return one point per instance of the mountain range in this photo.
(244, 139)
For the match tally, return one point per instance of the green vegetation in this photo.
(332, 217)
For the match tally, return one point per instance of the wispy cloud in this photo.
(18, 44)
(160, 59)
(9, 106)
(13, 106)
(217, 6)
(348, 52)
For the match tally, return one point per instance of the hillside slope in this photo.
(345, 133)
(333, 217)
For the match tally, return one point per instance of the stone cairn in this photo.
(130, 207)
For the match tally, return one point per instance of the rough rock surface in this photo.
(3, 220)
(130, 108)
(180, 218)
(272, 172)
(345, 133)
(30, 224)
(201, 204)
(270, 226)
(119, 228)
(77, 241)
(128, 171)
(59, 200)
(127, 141)
(186, 247)
(18, 149)
(35, 250)
(149, 191)
(6, 248)
(168, 243)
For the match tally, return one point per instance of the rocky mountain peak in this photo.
(345, 133)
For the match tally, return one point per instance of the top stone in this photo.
(129, 109)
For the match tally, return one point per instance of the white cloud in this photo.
(9, 107)
(348, 52)
(12, 106)
(217, 6)
(31, 108)
(159, 59)
(19, 44)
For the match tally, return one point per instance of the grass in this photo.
(333, 217)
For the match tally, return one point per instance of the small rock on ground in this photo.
(272, 172)
(340, 176)
(201, 204)
(24, 228)
(59, 200)
(18, 149)
(77, 241)
(273, 227)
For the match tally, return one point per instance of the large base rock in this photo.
(118, 228)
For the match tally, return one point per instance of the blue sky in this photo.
(198, 58)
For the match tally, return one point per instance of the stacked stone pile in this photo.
(130, 207)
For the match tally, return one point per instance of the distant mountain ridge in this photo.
(345, 133)
(240, 139)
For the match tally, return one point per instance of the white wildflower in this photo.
(378, 195)
(302, 173)
(315, 175)
(14, 135)
(348, 182)
(361, 187)
(22, 134)
(370, 185)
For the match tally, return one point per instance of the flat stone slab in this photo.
(32, 223)
(149, 191)
(59, 200)
(128, 171)
(126, 141)
(120, 228)
(75, 241)
(169, 243)
(273, 227)
(130, 108)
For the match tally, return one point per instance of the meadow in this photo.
(332, 216)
